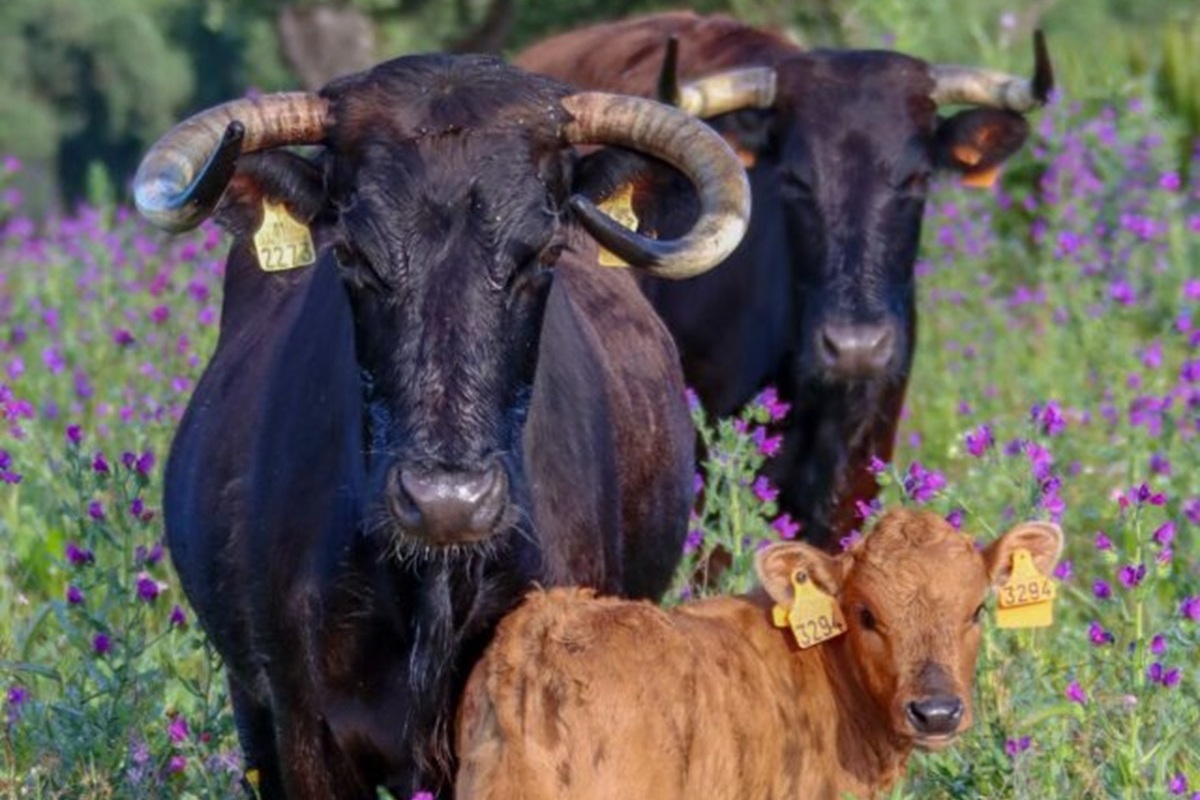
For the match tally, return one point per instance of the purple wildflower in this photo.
(877, 465)
(769, 446)
(1102, 590)
(763, 490)
(1014, 747)
(1158, 644)
(1131, 575)
(176, 764)
(1190, 608)
(785, 526)
(1065, 570)
(96, 510)
(979, 440)
(177, 619)
(1103, 543)
(101, 644)
(148, 589)
(955, 518)
(1164, 534)
(99, 464)
(74, 435)
(423, 796)
(695, 537)
(922, 484)
(78, 556)
(1076, 694)
(177, 729)
(1178, 784)
(1099, 636)
(776, 409)
(74, 595)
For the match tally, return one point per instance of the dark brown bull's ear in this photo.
(975, 142)
(776, 564)
(1043, 540)
(277, 176)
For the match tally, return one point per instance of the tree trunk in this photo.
(321, 42)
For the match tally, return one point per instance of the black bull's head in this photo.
(851, 139)
(447, 191)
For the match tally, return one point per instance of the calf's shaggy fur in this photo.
(584, 698)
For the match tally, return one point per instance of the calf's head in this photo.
(846, 143)
(912, 595)
(445, 196)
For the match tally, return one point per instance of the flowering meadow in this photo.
(1057, 376)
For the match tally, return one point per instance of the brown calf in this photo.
(583, 697)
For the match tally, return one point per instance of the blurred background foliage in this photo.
(86, 86)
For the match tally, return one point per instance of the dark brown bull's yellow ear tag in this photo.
(282, 242)
(1027, 597)
(814, 616)
(619, 206)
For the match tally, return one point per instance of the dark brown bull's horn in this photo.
(685, 143)
(750, 87)
(981, 87)
(183, 176)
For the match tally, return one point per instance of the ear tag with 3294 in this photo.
(814, 615)
(1027, 597)
(619, 206)
(281, 242)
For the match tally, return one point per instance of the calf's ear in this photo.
(1043, 540)
(776, 564)
(975, 142)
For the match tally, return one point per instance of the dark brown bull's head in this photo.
(912, 595)
(445, 195)
(852, 138)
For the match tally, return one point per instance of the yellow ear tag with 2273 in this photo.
(281, 242)
(1027, 597)
(814, 615)
(619, 206)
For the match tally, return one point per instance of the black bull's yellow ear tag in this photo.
(619, 206)
(281, 242)
(814, 615)
(1027, 597)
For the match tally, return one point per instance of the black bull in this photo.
(819, 298)
(388, 447)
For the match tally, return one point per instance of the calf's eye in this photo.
(977, 617)
(866, 618)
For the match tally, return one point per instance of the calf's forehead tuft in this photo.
(904, 537)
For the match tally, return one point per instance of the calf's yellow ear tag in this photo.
(814, 615)
(281, 242)
(1027, 597)
(619, 206)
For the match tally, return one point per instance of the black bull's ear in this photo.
(278, 176)
(975, 142)
(663, 200)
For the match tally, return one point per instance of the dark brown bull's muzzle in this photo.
(448, 507)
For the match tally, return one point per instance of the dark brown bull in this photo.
(819, 298)
(585, 698)
(454, 401)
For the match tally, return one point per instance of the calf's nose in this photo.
(448, 506)
(936, 715)
(856, 351)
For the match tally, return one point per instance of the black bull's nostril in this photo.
(936, 716)
(856, 351)
(448, 507)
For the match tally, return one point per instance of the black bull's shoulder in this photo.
(319, 626)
